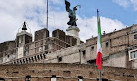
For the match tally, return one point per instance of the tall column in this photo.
(74, 31)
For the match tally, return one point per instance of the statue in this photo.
(24, 26)
(72, 14)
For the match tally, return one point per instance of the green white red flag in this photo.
(99, 44)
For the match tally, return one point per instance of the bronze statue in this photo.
(72, 14)
(24, 26)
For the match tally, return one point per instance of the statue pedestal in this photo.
(74, 31)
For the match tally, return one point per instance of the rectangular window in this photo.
(59, 59)
(93, 62)
(106, 44)
(92, 48)
(84, 52)
(136, 54)
(135, 36)
(132, 54)
(20, 39)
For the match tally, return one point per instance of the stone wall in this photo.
(116, 60)
(41, 34)
(63, 72)
(7, 46)
(5, 55)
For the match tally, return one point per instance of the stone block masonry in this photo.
(64, 72)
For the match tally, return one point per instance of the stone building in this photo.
(119, 52)
(23, 46)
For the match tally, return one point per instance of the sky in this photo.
(114, 14)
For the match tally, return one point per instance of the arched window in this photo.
(28, 78)
(2, 79)
(80, 78)
(53, 78)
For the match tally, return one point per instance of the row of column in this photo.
(30, 59)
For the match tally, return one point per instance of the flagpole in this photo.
(47, 14)
(100, 75)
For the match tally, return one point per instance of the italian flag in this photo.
(99, 44)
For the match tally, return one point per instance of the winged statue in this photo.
(72, 13)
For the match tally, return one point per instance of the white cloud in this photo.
(124, 3)
(13, 13)
(56, 1)
(88, 26)
(127, 3)
(134, 2)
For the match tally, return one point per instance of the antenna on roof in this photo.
(47, 14)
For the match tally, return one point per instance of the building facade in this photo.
(119, 56)
(119, 48)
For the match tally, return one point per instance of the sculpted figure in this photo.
(72, 14)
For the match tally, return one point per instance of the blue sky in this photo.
(115, 14)
(108, 8)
